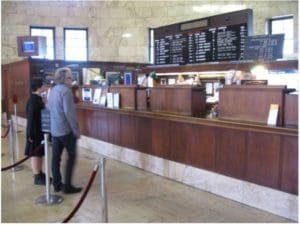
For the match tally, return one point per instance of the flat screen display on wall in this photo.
(31, 46)
(28, 46)
(216, 38)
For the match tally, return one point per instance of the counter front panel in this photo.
(259, 154)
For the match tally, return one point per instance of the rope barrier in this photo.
(82, 198)
(6, 133)
(17, 163)
(22, 160)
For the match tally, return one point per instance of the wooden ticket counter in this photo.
(259, 154)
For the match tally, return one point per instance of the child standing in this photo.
(34, 134)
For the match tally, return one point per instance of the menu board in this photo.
(268, 47)
(206, 45)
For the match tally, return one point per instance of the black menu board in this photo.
(216, 38)
(267, 47)
(214, 44)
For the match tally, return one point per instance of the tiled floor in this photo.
(133, 196)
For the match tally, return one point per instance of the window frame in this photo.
(87, 38)
(281, 18)
(277, 18)
(46, 28)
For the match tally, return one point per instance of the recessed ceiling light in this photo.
(126, 35)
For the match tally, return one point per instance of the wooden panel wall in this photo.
(182, 100)
(161, 139)
(231, 152)
(144, 135)
(16, 81)
(291, 110)
(250, 102)
(264, 156)
(127, 95)
(202, 147)
(128, 131)
(114, 128)
(289, 170)
(263, 159)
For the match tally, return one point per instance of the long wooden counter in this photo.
(259, 154)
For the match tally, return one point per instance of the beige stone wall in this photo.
(108, 20)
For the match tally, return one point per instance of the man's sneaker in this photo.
(72, 190)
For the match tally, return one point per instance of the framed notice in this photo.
(273, 114)
(87, 94)
(103, 100)
(116, 100)
(110, 100)
(97, 96)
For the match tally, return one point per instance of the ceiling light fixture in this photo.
(126, 35)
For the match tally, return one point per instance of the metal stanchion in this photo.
(15, 101)
(48, 199)
(103, 195)
(16, 135)
(15, 114)
(12, 148)
(11, 145)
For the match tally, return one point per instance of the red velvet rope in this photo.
(82, 198)
(22, 160)
(6, 133)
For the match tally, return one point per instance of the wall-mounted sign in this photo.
(268, 47)
(216, 38)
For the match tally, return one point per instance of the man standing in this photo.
(64, 129)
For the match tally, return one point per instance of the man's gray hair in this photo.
(61, 74)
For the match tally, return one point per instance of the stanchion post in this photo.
(15, 114)
(47, 167)
(48, 199)
(103, 195)
(11, 144)
(15, 101)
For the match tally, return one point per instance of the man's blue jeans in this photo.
(59, 143)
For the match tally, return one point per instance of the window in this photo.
(49, 33)
(283, 25)
(76, 44)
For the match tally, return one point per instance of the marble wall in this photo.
(108, 20)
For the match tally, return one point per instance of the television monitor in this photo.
(31, 46)
(28, 46)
